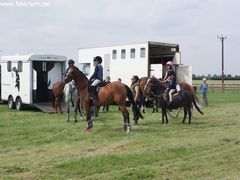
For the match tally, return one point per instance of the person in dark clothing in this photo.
(97, 77)
(70, 64)
(135, 88)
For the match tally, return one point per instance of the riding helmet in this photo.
(98, 58)
(169, 63)
(70, 61)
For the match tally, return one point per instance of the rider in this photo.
(97, 77)
(171, 79)
(70, 64)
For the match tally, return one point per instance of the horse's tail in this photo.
(135, 109)
(196, 106)
(53, 97)
(195, 96)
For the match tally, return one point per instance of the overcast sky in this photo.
(63, 26)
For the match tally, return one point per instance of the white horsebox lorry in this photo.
(142, 59)
(28, 79)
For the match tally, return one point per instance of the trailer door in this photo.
(106, 65)
(156, 70)
(184, 74)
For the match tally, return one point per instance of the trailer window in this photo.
(20, 66)
(114, 54)
(123, 53)
(132, 53)
(142, 52)
(9, 66)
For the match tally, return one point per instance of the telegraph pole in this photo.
(222, 38)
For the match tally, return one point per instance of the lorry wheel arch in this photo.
(18, 103)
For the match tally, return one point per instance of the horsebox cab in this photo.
(28, 79)
(142, 59)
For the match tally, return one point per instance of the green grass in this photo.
(34, 145)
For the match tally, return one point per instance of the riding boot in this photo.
(92, 93)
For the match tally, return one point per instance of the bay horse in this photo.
(57, 95)
(72, 97)
(112, 92)
(184, 99)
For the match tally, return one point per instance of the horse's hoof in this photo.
(75, 121)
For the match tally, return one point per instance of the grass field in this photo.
(34, 145)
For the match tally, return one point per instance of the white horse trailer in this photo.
(142, 59)
(28, 79)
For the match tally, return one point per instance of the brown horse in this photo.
(112, 92)
(57, 95)
(184, 99)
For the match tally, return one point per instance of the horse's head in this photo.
(69, 74)
(154, 87)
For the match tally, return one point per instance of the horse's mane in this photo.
(81, 73)
(156, 83)
(157, 86)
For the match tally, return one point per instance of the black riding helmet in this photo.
(98, 58)
(70, 61)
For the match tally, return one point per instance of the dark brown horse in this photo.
(57, 95)
(183, 86)
(184, 99)
(112, 92)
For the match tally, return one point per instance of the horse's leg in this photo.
(80, 108)
(185, 114)
(89, 120)
(75, 111)
(60, 107)
(125, 113)
(68, 112)
(189, 114)
(57, 106)
(166, 115)
(154, 106)
(163, 113)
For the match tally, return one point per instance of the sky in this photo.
(63, 26)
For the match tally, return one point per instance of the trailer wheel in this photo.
(11, 104)
(18, 104)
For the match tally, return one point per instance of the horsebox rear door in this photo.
(184, 74)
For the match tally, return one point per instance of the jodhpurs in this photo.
(170, 94)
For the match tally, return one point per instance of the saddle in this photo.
(175, 93)
(94, 90)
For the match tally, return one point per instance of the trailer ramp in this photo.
(47, 107)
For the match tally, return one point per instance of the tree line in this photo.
(215, 77)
